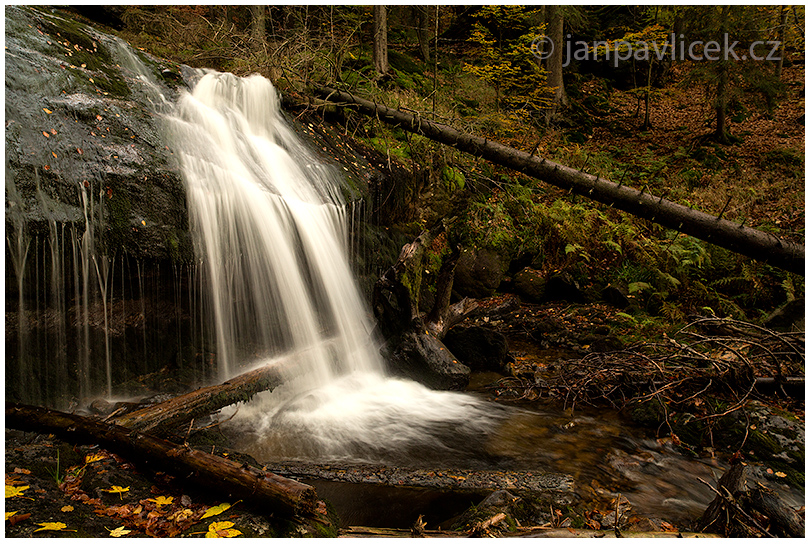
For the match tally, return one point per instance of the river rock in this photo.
(563, 286)
(422, 357)
(530, 285)
(479, 272)
(480, 348)
(616, 295)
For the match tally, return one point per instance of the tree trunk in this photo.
(423, 33)
(163, 417)
(554, 64)
(234, 480)
(258, 27)
(781, 36)
(747, 241)
(722, 86)
(380, 42)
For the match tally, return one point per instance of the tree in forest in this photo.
(649, 46)
(258, 26)
(380, 41)
(422, 23)
(553, 18)
(736, 58)
(505, 35)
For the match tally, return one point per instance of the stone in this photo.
(480, 348)
(616, 296)
(530, 285)
(479, 272)
(422, 357)
(563, 286)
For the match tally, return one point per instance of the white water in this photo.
(270, 224)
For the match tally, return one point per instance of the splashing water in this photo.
(270, 224)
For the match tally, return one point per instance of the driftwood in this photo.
(259, 488)
(734, 236)
(158, 419)
(742, 512)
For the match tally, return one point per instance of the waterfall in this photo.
(271, 226)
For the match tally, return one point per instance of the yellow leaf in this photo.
(161, 501)
(780, 474)
(217, 510)
(96, 456)
(52, 526)
(67, 508)
(9, 514)
(120, 531)
(117, 489)
(222, 529)
(12, 491)
(46, 110)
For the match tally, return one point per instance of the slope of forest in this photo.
(476, 75)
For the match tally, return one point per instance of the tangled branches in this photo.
(725, 357)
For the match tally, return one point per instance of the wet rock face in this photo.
(83, 141)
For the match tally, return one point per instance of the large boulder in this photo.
(84, 138)
(480, 348)
(530, 285)
(422, 357)
(479, 272)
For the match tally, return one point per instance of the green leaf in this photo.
(638, 286)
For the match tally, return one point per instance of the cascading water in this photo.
(270, 224)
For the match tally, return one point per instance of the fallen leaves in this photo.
(222, 529)
(119, 531)
(162, 501)
(16, 491)
(216, 510)
(117, 489)
(53, 526)
(96, 456)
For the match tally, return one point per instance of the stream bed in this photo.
(579, 461)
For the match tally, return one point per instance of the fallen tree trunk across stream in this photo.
(161, 418)
(262, 489)
(754, 243)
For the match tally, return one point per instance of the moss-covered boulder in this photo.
(479, 272)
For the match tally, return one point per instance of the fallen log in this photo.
(260, 488)
(158, 419)
(525, 532)
(753, 243)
